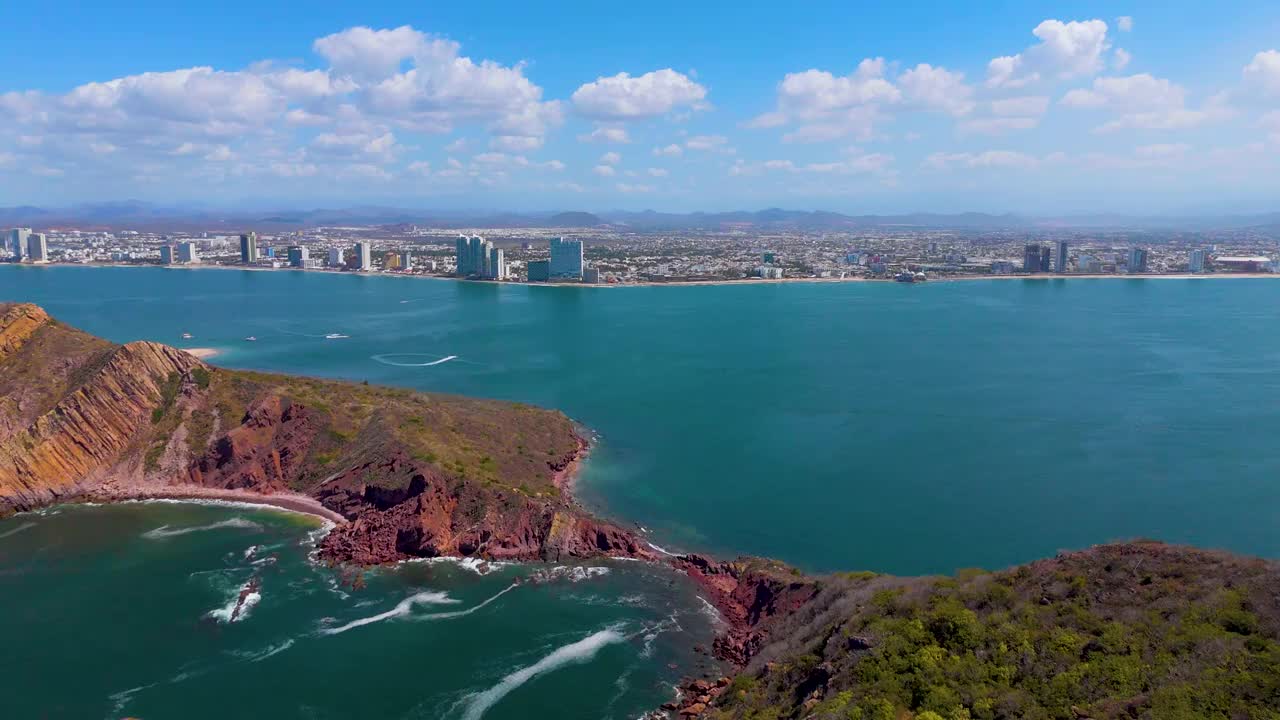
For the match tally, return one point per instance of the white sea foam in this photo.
(581, 651)
(227, 613)
(571, 573)
(270, 650)
(476, 565)
(15, 531)
(389, 359)
(164, 531)
(664, 551)
(402, 609)
(710, 609)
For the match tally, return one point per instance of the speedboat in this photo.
(251, 338)
(186, 336)
(335, 336)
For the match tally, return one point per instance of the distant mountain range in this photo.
(133, 214)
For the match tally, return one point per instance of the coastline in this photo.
(204, 353)
(291, 502)
(698, 283)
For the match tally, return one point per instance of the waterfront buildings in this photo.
(1088, 264)
(1138, 260)
(769, 272)
(406, 261)
(1195, 261)
(363, 256)
(1031, 258)
(17, 244)
(167, 254)
(1060, 257)
(462, 250)
(591, 276)
(187, 253)
(539, 270)
(249, 248)
(497, 264)
(337, 258)
(1046, 258)
(38, 248)
(566, 259)
(298, 256)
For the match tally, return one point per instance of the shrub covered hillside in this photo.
(1140, 630)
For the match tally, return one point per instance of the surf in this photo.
(165, 532)
(402, 609)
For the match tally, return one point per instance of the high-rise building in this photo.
(249, 248)
(17, 245)
(591, 276)
(464, 255)
(539, 270)
(336, 257)
(1195, 262)
(1046, 258)
(364, 256)
(1138, 260)
(1060, 257)
(566, 259)
(38, 248)
(298, 256)
(497, 264)
(478, 256)
(1031, 258)
(187, 253)
(167, 254)
(406, 260)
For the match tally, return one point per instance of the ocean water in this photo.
(127, 611)
(897, 428)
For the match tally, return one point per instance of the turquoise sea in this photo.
(897, 428)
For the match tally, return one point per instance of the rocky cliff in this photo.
(417, 475)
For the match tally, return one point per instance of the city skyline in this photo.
(1042, 108)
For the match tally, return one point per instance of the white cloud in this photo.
(515, 143)
(1147, 103)
(1025, 106)
(456, 146)
(708, 143)
(604, 170)
(611, 158)
(1066, 50)
(998, 125)
(1124, 23)
(623, 97)
(657, 172)
(606, 134)
(1120, 59)
(988, 159)
(631, 188)
(815, 93)
(1263, 72)
(672, 150)
(937, 88)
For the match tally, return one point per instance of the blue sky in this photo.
(1001, 107)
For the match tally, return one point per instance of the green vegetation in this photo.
(1128, 631)
(168, 395)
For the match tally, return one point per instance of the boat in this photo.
(251, 338)
(335, 336)
(186, 336)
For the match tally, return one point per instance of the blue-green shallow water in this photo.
(110, 612)
(889, 427)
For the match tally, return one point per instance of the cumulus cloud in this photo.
(610, 158)
(709, 143)
(988, 159)
(606, 134)
(1143, 101)
(1120, 59)
(623, 97)
(1263, 73)
(1066, 50)
(1124, 23)
(604, 170)
(672, 150)
(937, 88)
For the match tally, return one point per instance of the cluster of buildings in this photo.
(23, 244)
(478, 258)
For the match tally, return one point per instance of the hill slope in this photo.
(416, 474)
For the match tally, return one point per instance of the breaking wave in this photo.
(390, 359)
(402, 609)
(15, 531)
(164, 531)
(238, 607)
(581, 651)
(571, 573)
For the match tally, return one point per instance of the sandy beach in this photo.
(201, 352)
(292, 502)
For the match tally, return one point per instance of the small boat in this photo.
(251, 338)
(186, 336)
(335, 336)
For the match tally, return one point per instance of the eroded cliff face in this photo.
(417, 475)
(88, 430)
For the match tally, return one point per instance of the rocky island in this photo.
(1134, 630)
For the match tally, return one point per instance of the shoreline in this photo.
(702, 283)
(291, 502)
(204, 353)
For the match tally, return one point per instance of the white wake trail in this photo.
(403, 608)
(468, 611)
(15, 531)
(580, 652)
(163, 531)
